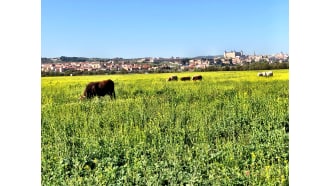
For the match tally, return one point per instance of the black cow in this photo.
(199, 77)
(100, 88)
(185, 78)
(173, 78)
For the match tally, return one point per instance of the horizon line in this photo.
(164, 57)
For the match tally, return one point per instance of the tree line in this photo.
(251, 66)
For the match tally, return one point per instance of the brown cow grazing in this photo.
(100, 88)
(173, 78)
(185, 78)
(199, 77)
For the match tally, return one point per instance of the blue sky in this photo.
(146, 28)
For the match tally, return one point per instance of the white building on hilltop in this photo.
(232, 54)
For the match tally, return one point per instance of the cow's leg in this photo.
(112, 95)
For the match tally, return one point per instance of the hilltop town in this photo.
(232, 60)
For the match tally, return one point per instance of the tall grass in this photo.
(229, 129)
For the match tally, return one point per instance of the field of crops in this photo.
(231, 128)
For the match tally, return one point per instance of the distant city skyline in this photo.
(228, 51)
(135, 29)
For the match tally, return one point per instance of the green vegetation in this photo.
(231, 128)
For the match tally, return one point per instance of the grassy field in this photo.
(231, 128)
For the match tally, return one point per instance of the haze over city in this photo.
(132, 29)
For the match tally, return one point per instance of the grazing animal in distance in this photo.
(173, 78)
(265, 74)
(198, 77)
(99, 88)
(269, 73)
(187, 78)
